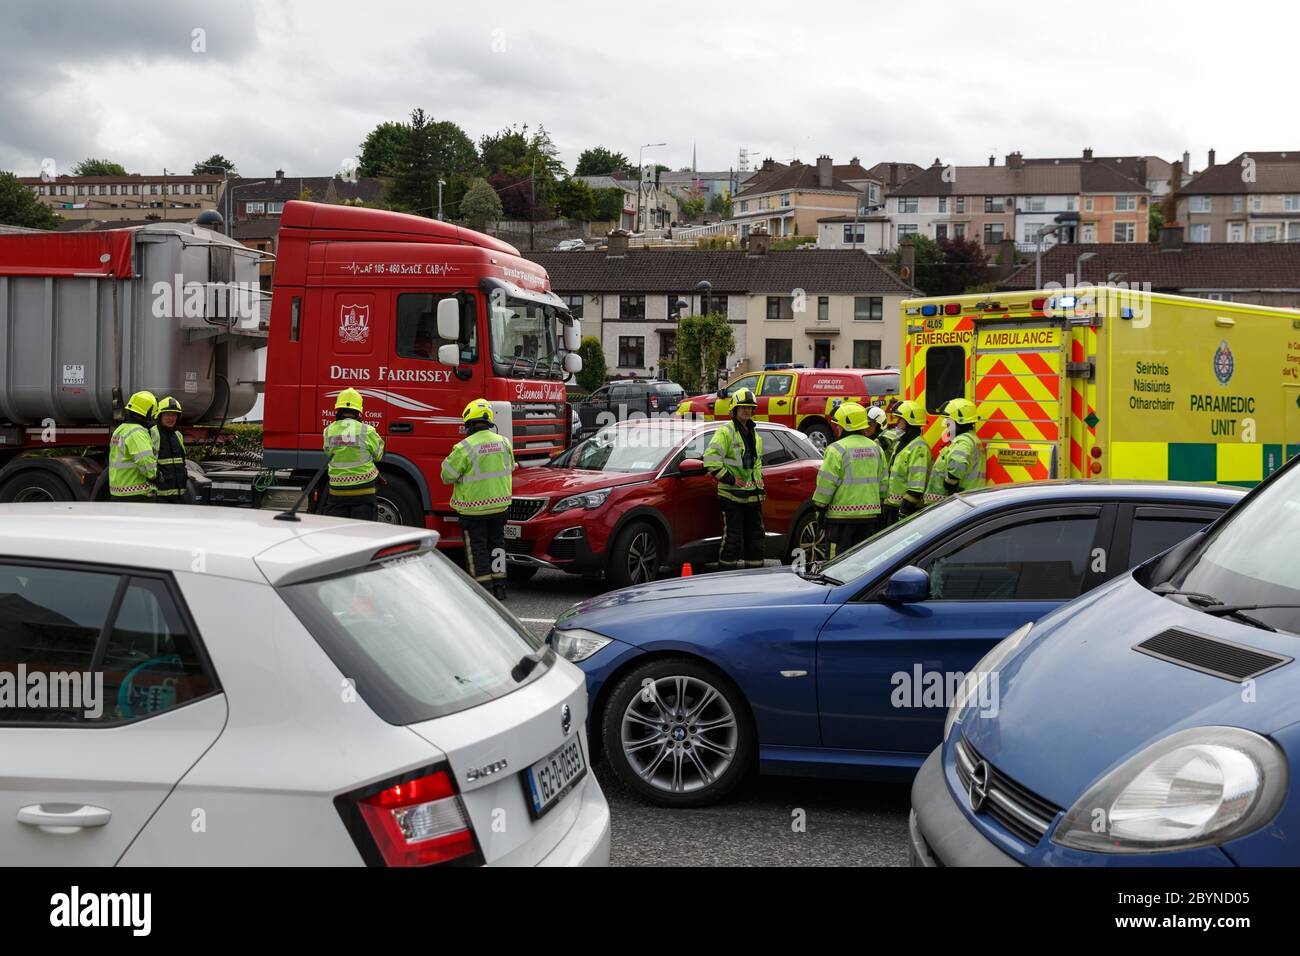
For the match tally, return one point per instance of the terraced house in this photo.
(789, 200)
(1254, 197)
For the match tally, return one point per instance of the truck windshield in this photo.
(525, 338)
(1250, 558)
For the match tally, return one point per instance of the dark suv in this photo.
(616, 401)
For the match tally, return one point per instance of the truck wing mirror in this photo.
(448, 324)
(573, 363)
(449, 354)
(573, 335)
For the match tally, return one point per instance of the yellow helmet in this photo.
(142, 403)
(911, 412)
(349, 398)
(851, 416)
(169, 404)
(962, 411)
(478, 409)
(744, 398)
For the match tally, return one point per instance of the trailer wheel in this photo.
(35, 486)
(398, 503)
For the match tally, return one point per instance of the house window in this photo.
(574, 302)
(961, 204)
(1293, 231)
(153, 189)
(713, 305)
(1291, 203)
(1236, 232)
(1219, 296)
(785, 199)
(943, 203)
(779, 307)
(866, 353)
(993, 233)
(275, 208)
(1126, 203)
(254, 208)
(1199, 204)
(1035, 204)
(911, 204)
(631, 307)
(1236, 204)
(1125, 231)
(1089, 233)
(868, 308)
(744, 205)
(906, 230)
(959, 230)
(1256, 204)
(779, 352)
(855, 232)
(1072, 203)
(667, 346)
(1200, 232)
(994, 204)
(631, 351)
(1264, 233)
(873, 193)
(941, 230)
(823, 308)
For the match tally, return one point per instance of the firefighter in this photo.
(850, 481)
(735, 458)
(909, 468)
(132, 463)
(960, 466)
(351, 448)
(894, 428)
(169, 448)
(876, 421)
(479, 469)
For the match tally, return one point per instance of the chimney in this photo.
(853, 161)
(1175, 186)
(1087, 152)
(1007, 256)
(1171, 237)
(1015, 160)
(992, 160)
(907, 261)
(758, 239)
(1211, 163)
(1187, 160)
(893, 176)
(824, 172)
(768, 163)
(616, 243)
(1141, 172)
(279, 176)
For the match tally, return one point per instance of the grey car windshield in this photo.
(419, 637)
(894, 542)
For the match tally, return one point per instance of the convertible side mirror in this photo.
(907, 585)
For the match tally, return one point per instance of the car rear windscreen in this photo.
(420, 639)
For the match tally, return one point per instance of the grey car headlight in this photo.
(589, 500)
(968, 689)
(577, 645)
(1198, 787)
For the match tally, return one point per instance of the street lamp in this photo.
(1078, 266)
(1043, 231)
(441, 183)
(640, 189)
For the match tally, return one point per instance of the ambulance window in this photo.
(776, 384)
(417, 327)
(945, 376)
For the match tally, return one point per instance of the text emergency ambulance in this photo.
(1102, 382)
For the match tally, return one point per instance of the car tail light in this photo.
(415, 820)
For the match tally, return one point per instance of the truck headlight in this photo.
(576, 644)
(1198, 787)
(969, 688)
(587, 501)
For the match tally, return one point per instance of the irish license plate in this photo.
(512, 531)
(547, 781)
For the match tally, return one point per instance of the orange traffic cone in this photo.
(686, 570)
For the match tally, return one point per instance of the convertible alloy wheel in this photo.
(679, 734)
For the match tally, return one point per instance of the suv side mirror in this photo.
(907, 586)
(688, 467)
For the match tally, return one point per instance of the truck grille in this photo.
(524, 509)
(527, 410)
(1020, 811)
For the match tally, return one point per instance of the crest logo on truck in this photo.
(354, 323)
(1224, 363)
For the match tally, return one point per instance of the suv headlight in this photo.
(969, 688)
(587, 501)
(1198, 787)
(576, 644)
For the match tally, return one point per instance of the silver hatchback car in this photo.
(202, 686)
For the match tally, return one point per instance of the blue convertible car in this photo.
(849, 670)
(1154, 722)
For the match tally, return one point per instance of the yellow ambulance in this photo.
(1111, 382)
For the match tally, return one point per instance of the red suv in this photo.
(633, 502)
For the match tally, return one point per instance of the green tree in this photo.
(599, 161)
(1155, 222)
(432, 151)
(382, 149)
(609, 204)
(480, 205)
(928, 275)
(720, 205)
(594, 369)
(574, 200)
(703, 344)
(207, 166)
(20, 207)
(98, 167)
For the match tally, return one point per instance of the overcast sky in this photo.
(297, 85)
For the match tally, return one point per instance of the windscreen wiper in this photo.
(820, 578)
(1195, 597)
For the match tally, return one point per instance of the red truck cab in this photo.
(419, 316)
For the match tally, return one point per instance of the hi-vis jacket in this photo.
(352, 448)
(738, 480)
(962, 461)
(132, 465)
(908, 471)
(851, 479)
(480, 469)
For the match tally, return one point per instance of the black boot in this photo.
(499, 590)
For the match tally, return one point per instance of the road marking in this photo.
(538, 620)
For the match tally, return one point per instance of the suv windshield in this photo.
(418, 636)
(524, 337)
(889, 544)
(1250, 559)
(627, 449)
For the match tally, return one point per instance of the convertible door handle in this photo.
(64, 820)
